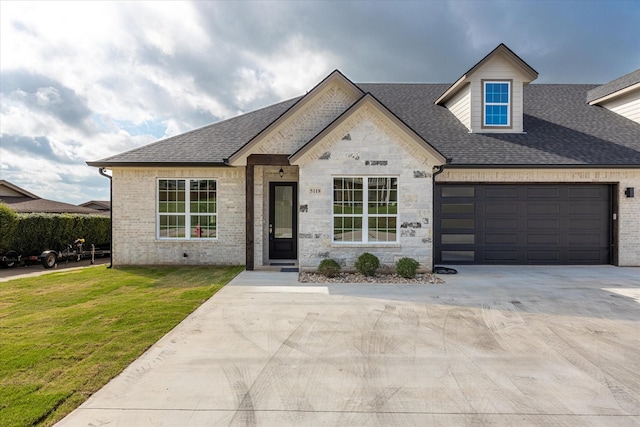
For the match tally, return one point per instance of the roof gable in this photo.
(368, 103)
(528, 73)
(304, 106)
(12, 190)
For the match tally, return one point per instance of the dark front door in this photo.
(283, 224)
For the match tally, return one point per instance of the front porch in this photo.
(272, 212)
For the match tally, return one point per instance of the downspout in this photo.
(102, 172)
(437, 170)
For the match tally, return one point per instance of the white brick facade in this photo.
(134, 212)
(366, 144)
(628, 211)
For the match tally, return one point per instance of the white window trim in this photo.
(187, 213)
(365, 223)
(485, 103)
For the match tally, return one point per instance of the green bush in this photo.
(8, 223)
(329, 268)
(36, 232)
(367, 264)
(407, 267)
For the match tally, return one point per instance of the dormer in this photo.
(622, 96)
(488, 98)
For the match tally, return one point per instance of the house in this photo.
(621, 96)
(488, 170)
(103, 206)
(22, 201)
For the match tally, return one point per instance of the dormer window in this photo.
(489, 97)
(497, 104)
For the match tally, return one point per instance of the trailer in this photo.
(49, 258)
(16, 259)
(73, 252)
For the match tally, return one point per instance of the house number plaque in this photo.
(315, 190)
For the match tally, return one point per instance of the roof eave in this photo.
(452, 90)
(615, 94)
(108, 165)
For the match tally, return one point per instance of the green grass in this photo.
(64, 335)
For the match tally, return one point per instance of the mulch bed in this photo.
(420, 279)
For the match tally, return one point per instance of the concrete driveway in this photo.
(494, 346)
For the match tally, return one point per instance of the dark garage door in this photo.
(522, 224)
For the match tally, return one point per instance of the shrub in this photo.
(329, 268)
(407, 267)
(36, 232)
(367, 264)
(8, 223)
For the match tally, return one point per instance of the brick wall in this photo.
(135, 228)
(628, 213)
(307, 122)
(365, 144)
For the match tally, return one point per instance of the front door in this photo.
(283, 224)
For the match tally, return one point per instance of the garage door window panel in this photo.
(458, 208)
(458, 256)
(460, 191)
(458, 239)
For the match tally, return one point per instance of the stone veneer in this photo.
(134, 210)
(365, 144)
(628, 212)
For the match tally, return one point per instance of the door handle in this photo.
(270, 231)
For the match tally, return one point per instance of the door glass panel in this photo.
(283, 227)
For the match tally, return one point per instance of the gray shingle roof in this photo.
(561, 129)
(38, 205)
(208, 145)
(614, 86)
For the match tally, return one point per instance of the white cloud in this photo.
(287, 72)
(92, 79)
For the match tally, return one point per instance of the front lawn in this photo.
(66, 334)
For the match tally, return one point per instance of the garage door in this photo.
(522, 224)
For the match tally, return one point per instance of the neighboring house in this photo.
(621, 96)
(22, 201)
(487, 170)
(103, 206)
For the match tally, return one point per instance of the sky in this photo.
(81, 81)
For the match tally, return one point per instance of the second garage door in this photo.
(523, 224)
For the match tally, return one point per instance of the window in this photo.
(187, 209)
(497, 109)
(365, 209)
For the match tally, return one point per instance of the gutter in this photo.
(102, 172)
(541, 166)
